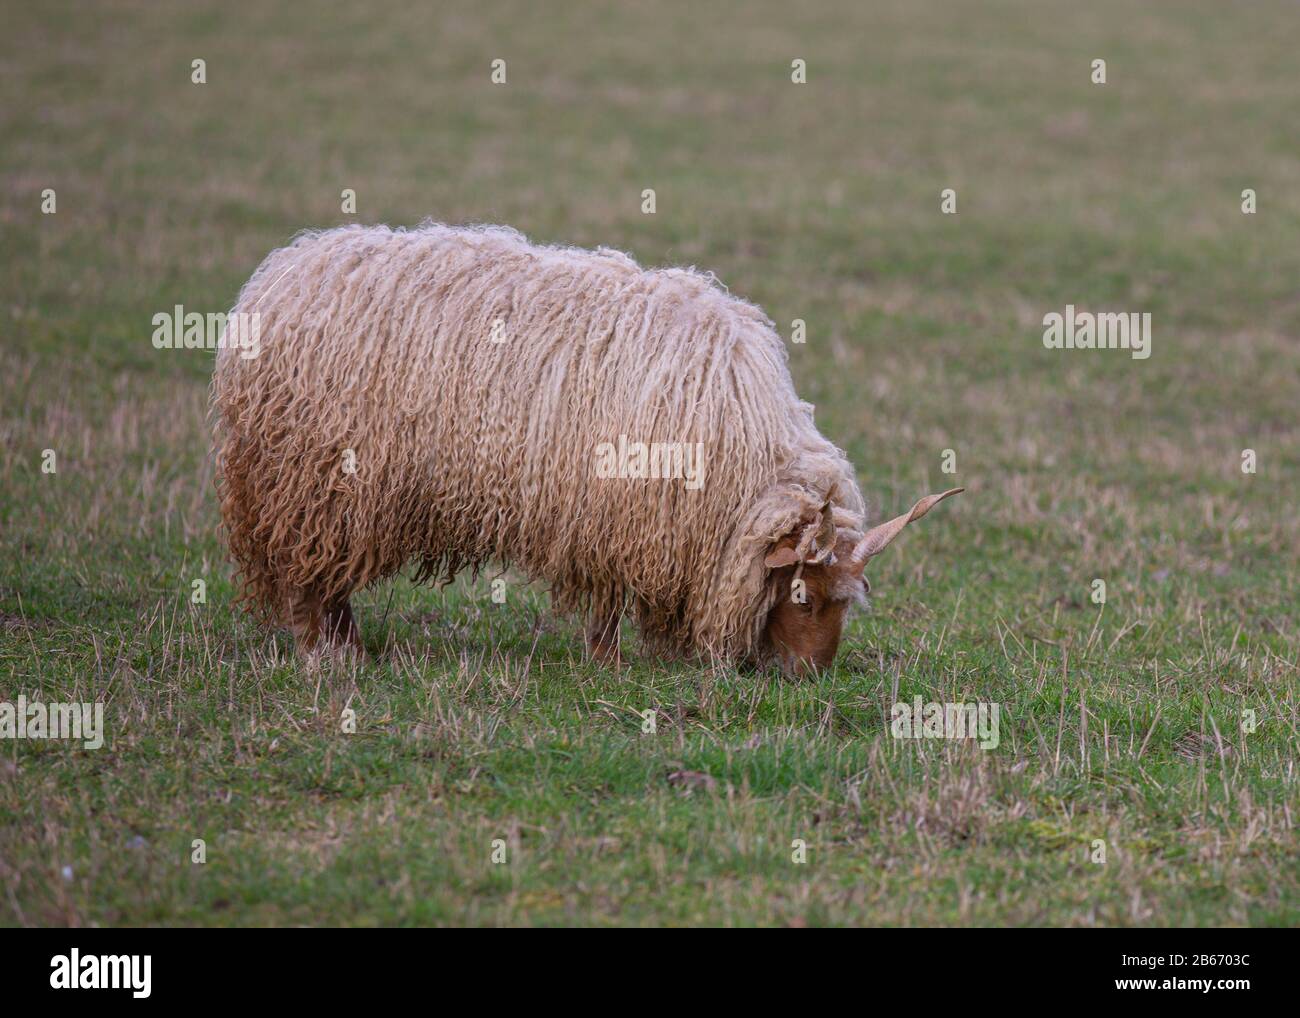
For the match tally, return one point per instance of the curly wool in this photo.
(470, 450)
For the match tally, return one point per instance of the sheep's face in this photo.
(816, 576)
(813, 601)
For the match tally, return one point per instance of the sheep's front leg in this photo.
(304, 620)
(602, 639)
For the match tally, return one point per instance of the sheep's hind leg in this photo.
(319, 627)
(602, 639)
(341, 629)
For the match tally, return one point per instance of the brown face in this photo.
(804, 626)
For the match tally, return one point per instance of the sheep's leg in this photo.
(317, 626)
(602, 639)
(305, 620)
(340, 628)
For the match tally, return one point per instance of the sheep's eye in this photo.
(866, 585)
(805, 606)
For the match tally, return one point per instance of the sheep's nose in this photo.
(799, 667)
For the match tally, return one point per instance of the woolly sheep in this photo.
(444, 395)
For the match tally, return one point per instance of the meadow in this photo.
(1160, 724)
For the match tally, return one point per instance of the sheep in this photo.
(446, 397)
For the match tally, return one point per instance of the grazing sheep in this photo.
(455, 396)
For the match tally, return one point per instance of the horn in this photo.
(823, 544)
(877, 539)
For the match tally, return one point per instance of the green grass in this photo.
(479, 721)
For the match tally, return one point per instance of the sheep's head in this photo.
(818, 570)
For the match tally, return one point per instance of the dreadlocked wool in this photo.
(447, 396)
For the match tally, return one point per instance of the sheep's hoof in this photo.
(605, 652)
(606, 655)
(603, 643)
(327, 635)
(342, 656)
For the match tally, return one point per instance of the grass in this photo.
(481, 722)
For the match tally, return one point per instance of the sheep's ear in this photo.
(812, 541)
(782, 554)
